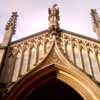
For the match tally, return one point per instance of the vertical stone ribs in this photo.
(27, 55)
(85, 55)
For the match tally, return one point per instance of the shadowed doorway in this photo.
(54, 90)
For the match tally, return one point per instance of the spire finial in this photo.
(10, 29)
(54, 18)
(96, 22)
(95, 17)
(12, 22)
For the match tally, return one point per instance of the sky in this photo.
(33, 16)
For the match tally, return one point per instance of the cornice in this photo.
(31, 36)
(61, 31)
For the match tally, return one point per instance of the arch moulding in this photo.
(74, 78)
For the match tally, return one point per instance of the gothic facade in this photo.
(52, 53)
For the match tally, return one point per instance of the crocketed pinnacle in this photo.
(12, 22)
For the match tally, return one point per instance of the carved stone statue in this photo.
(54, 18)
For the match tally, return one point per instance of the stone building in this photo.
(51, 64)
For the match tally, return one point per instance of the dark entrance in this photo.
(55, 90)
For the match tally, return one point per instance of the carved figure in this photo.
(53, 18)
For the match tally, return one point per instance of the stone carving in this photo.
(53, 18)
(90, 48)
(96, 18)
(96, 22)
(40, 50)
(40, 44)
(12, 22)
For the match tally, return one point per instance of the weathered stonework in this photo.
(55, 46)
(96, 22)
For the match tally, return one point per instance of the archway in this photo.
(54, 89)
(31, 82)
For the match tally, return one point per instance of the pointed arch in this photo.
(98, 59)
(25, 62)
(70, 52)
(74, 78)
(78, 61)
(94, 65)
(32, 58)
(65, 72)
(86, 61)
(16, 67)
(41, 51)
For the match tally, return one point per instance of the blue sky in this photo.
(33, 16)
